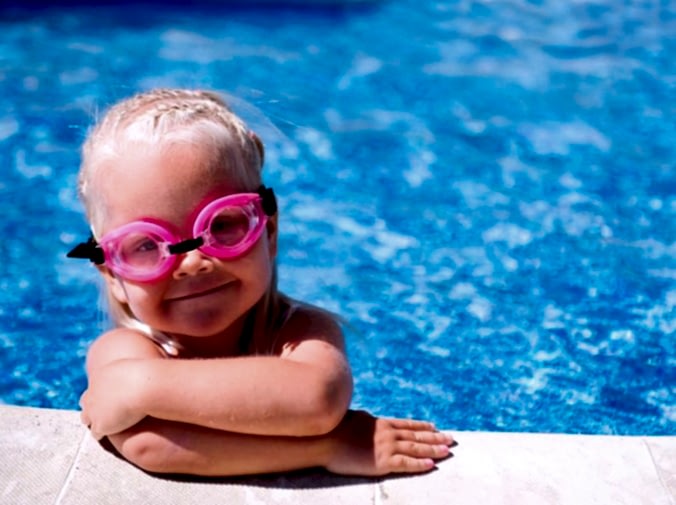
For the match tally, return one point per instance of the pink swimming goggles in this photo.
(144, 251)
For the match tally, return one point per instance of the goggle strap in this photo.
(268, 200)
(88, 250)
(186, 246)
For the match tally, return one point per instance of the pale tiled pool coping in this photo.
(47, 457)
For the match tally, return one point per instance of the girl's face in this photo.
(203, 296)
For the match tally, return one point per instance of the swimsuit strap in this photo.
(245, 339)
(287, 308)
(169, 345)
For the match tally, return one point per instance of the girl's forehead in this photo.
(165, 186)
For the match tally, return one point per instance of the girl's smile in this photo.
(200, 292)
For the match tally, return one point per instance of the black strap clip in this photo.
(269, 201)
(88, 250)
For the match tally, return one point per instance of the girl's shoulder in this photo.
(121, 343)
(301, 321)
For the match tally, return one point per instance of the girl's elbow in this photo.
(146, 450)
(330, 419)
(331, 406)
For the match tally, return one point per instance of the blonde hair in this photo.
(160, 118)
(155, 120)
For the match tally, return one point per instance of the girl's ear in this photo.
(271, 228)
(114, 284)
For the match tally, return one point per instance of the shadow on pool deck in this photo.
(49, 458)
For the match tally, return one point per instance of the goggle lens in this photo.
(230, 226)
(140, 251)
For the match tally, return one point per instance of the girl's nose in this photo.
(193, 263)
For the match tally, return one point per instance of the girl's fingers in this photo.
(425, 437)
(408, 464)
(411, 424)
(409, 446)
(418, 450)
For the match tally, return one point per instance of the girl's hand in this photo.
(368, 446)
(108, 405)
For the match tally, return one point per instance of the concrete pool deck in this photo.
(48, 457)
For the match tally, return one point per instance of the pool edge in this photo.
(49, 457)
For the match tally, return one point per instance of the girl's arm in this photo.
(304, 391)
(361, 445)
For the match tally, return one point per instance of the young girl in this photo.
(209, 369)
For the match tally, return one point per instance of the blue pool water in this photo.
(485, 190)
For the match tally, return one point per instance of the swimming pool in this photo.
(485, 190)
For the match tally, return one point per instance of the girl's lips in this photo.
(199, 292)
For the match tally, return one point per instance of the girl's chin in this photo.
(205, 329)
